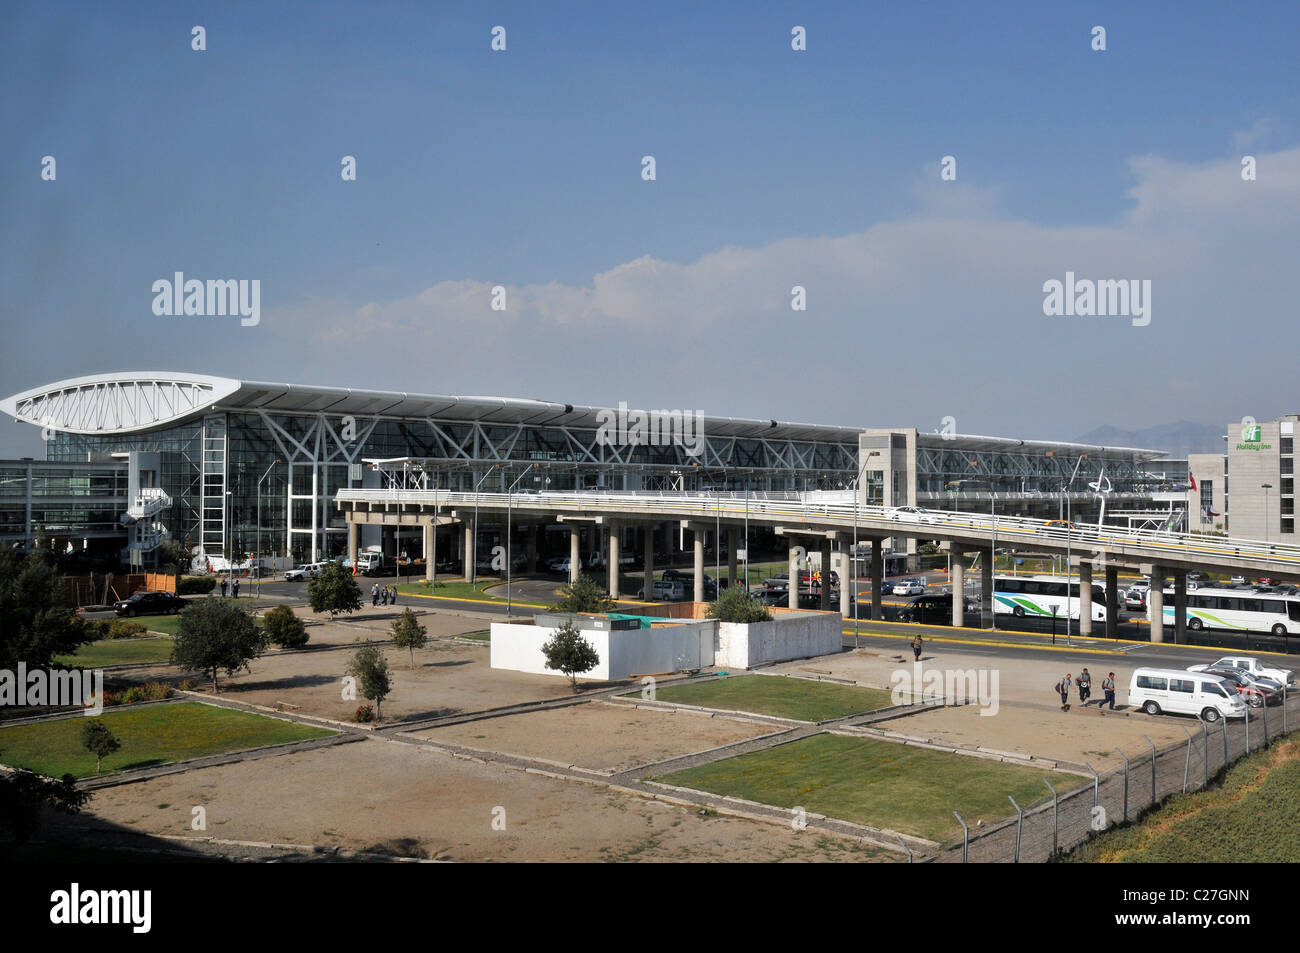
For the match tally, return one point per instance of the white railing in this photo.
(1006, 529)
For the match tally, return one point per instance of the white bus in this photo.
(1237, 610)
(1043, 596)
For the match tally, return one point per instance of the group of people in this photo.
(234, 585)
(1084, 684)
(383, 595)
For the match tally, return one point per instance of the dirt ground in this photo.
(391, 796)
(1028, 720)
(599, 735)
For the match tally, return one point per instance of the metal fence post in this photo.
(903, 844)
(1121, 754)
(1205, 732)
(1284, 708)
(1187, 763)
(1263, 713)
(1096, 782)
(1056, 817)
(1020, 823)
(965, 837)
(1248, 729)
(1225, 743)
(1155, 795)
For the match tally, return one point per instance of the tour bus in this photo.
(1043, 596)
(1239, 610)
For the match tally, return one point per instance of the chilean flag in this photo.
(1192, 479)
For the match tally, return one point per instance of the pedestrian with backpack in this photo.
(916, 648)
(1108, 689)
(1063, 689)
(1085, 687)
(374, 595)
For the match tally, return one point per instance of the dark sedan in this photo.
(149, 603)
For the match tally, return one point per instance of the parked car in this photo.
(668, 590)
(772, 597)
(1257, 692)
(1252, 665)
(299, 573)
(1136, 600)
(909, 587)
(149, 603)
(913, 514)
(935, 609)
(559, 564)
(1157, 690)
(1238, 580)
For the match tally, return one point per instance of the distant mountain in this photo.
(1177, 440)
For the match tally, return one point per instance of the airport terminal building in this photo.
(232, 466)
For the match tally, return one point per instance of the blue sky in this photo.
(775, 168)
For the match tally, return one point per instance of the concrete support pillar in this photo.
(534, 532)
(429, 530)
(877, 577)
(471, 531)
(986, 589)
(1112, 602)
(575, 553)
(826, 576)
(648, 558)
(1180, 607)
(1156, 601)
(353, 529)
(697, 534)
(847, 585)
(792, 599)
(958, 590)
(1085, 599)
(732, 537)
(614, 556)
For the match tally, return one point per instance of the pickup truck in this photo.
(1252, 665)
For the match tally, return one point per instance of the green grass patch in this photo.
(118, 652)
(159, 734)
(1249, 818)
(484, 636)
(446, 590)
(897, 787)
(797, 698)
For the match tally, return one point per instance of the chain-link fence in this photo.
(1046, 828)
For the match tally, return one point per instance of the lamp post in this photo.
(230, 538)
(1069, 536)
(853, 573)
(472, 571)
(273, 465)
(509, 567)
(1266, 487)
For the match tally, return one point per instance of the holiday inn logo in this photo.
(1250, 433)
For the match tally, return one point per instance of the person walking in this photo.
(393, 598)
(1084, 682)
(917, 645)
(383, 596)
(374, 595)
(1063, 689)
(234, 587)
(223, 587)
(1108, 689)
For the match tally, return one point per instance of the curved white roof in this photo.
(118, 403)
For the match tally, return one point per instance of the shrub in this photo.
(283, 628)
(125, 629)
(149, 692)
(364, 713)
(186, 685)
(736, 604)
(570, 653)
(585, 595)
(195, 585)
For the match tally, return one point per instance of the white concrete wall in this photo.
(622, 653)
(785, 637)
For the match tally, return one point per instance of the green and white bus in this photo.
(1237, 610)
(1043, 596)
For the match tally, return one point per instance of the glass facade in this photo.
(76, 502)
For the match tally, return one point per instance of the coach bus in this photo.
(1043, 597)
(1237, 610)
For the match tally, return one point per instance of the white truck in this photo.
(1245, 663)
(369, 561)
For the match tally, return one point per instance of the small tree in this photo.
(736, 604)
(585, 595)
(570, 653)
(371, 671)
(283, 628)
(333, 590)
(99, 741)
(409, 634)
(216, 634)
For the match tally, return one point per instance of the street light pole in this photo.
(509, 500)
(853, 573)
(259, 524)
(472, 569)
(1266, 487)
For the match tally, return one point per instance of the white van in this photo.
(1157, 690)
